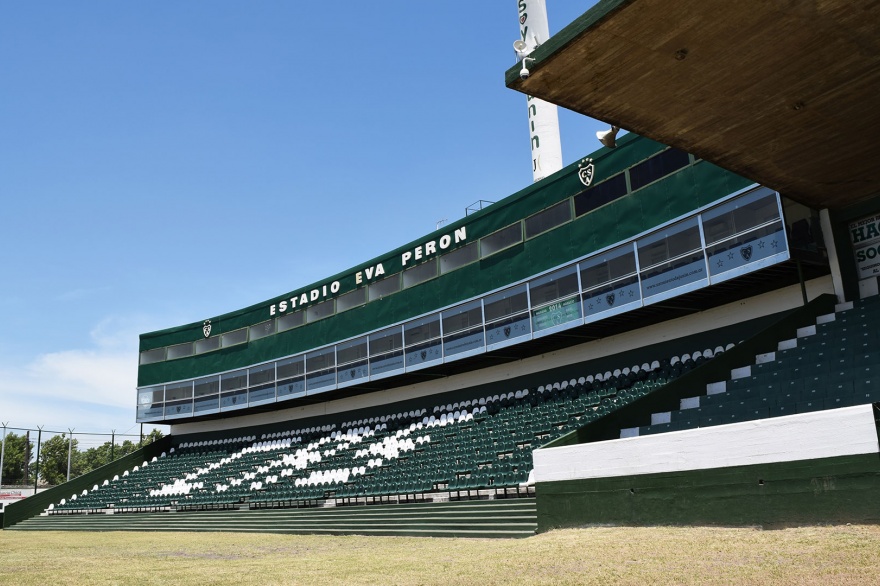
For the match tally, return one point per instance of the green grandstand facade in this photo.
(505, 275)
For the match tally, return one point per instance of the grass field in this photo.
(619, 555)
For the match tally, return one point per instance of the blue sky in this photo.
(164, 162)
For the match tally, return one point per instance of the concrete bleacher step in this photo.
(488, 519)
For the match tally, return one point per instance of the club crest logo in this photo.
(206, 328)
(507, 331)
(424, 354)
(351, 373)
(178, 408)
(610, 298)
(746, 252)
(586, 169)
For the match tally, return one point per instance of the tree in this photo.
(13, 459)
(53, 460)
(154, 435)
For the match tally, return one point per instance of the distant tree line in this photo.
(20, 454)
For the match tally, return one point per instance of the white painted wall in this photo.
(806, 436)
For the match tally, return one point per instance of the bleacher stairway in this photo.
(484, 519)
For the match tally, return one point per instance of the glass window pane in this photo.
(351, 299)
(178, 391)
(386, 341)
(152, 356)
(600, 194)
(150, 395)
(658, 166)
(207, 386)
(507, 302)
(669, 243)
(557, 285)
(260, 375)
(207, 344)
(261, 383)
(422, 329)
(351, 351)
(320, 310)
(548, 219)
(420, 273)
(233, 380)
(291, 367)
(235, 337)
(608, 266)
(321, 359)
(501, 239)
(386, 351)
(180, 350)
(740, 214)
(267, 328)
(384, 287)
(290, 321)
(459, 257)
(462, 317)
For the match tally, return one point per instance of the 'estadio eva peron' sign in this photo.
(407, 259)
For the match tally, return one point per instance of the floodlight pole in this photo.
(69, 451)
(3, 452)
(112, 443)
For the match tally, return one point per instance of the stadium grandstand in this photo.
(680, 327)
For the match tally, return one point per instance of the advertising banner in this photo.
(865, 236)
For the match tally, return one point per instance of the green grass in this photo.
(603, 555)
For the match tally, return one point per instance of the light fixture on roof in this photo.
(609, 137)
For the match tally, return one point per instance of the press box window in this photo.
(600, 194)
(321, 360)
(267, 328)
(503, 238)
(608, 266)
(670, 243)
(151, 395)
(320, 310)
(505, 303)
(290, 368)
(462, 317)
(658, 166)
(352, 351)
(290, 321)
(422, 330)
(554, 286)
(207, 386)
(386, 341)
(459, 257)
(548, 219)
(233, 380)
(351, 299)
(419, 274)
(235, 337)
(152, 356)
(207, 344)
(384, 287)
(180, 351)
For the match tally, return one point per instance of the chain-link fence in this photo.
(34, 458)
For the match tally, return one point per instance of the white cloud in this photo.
(90, 388)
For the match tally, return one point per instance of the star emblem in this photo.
(761, 244)
(720, 264)
(774, 243)
(729, 256)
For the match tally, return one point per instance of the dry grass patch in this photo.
(619, 555)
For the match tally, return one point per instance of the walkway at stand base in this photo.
(489, 518)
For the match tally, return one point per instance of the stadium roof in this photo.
(784, 93)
